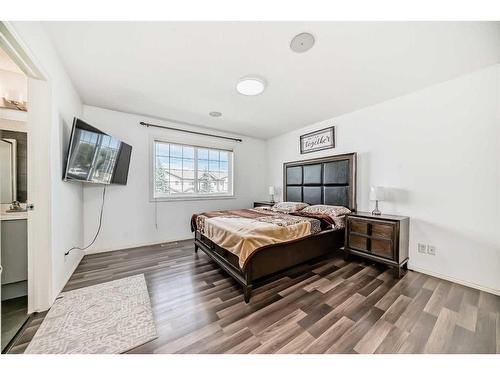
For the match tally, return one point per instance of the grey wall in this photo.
(22, 162)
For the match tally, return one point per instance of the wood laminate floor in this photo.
(329, 306)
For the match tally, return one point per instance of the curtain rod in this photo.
(189, 131)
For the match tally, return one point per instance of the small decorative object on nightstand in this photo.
(382, 238)
(263, 203)
(377, 194)
(271, 193)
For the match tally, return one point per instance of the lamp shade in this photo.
(377, 193)
(271, 190)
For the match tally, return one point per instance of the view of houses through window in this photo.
(183, 170)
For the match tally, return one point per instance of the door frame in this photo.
(39, 177)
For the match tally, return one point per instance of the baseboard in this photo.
(133, 246)
(457, 281)
(68, 276)
(66, 279)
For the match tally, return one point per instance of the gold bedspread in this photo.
(244, 231)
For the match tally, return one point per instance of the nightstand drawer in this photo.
(382, 230)
(382, 248)
(358, 242)
(358, 226)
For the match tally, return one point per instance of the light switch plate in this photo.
(431, 250)
(422, 248)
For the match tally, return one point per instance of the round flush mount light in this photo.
(302, 42)
(251, 86)
(215, 114)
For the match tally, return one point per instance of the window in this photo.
(184, 171)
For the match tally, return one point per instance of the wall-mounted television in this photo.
(96, 157)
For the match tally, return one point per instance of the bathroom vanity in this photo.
(14, 254)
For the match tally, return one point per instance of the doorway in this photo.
(13, 198)
(26, 117)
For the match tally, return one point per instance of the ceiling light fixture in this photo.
(215, 114)
(251, 86)
(302, 42)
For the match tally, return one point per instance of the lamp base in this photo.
(376, 211)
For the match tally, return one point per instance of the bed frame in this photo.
(330, 180)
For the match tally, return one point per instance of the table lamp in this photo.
(271, 193)
(377, 194)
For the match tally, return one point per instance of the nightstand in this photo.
(382, 238)
(263, 203)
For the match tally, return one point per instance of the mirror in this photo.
(13, 166)
(8, 170)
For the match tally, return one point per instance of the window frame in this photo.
(155, 197)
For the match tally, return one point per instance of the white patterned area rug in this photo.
(107, 318)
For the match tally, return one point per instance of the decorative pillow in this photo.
(337, 213)
(263, 208)
(332, 211)
(287, 207)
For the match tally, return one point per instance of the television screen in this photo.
(96, 157)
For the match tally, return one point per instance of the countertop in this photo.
(4, 215)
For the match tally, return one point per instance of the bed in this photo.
(329, 181)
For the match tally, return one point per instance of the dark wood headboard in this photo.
(330, 180)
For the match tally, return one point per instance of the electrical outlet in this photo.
(422, 248)
(431, 250)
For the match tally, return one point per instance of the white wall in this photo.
(129, 216)
(438, 151)
(13, 86)
(66, 200)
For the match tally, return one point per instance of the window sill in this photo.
(192, 198)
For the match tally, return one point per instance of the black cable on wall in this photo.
(98, 229)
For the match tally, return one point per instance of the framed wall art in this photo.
(318, 140)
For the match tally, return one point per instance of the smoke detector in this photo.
(302, 42)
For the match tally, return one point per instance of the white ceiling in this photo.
(183, 71)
